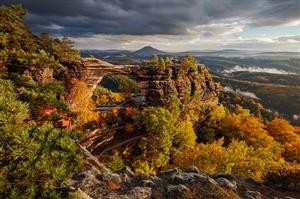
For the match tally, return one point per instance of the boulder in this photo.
(223, 182)
(179, 191)
(251, 195)
(192, 169)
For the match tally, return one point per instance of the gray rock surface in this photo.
(223, 182)
(97, 182)
(251, 195)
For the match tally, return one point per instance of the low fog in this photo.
(228, 89)
(257, 69)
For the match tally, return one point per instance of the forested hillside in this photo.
(48, 117)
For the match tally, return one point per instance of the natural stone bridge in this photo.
(155, 86)
(91, 70)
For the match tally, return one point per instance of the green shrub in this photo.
(159, 124)
(34, 160)
(38, 95)
(120, 83)
(21, 49)
(115, 162)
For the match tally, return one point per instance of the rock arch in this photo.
(155, 86)
(91, 70)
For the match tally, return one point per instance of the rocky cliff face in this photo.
(158, 86)
(41, 74)
(97, 182)
(196, 89)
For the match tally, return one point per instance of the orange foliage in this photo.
(281, 130)
(286, 134)
(45, 113)
(65, 123)
(80, 102)
(297, 130)
(115, 111)
(99, 119)
(292, 150)
(248, 128)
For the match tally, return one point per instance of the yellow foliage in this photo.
(242, 111)
(217, 114)
(185, 137)
(247, 128)
(141, 167)
(115, 161)
(238, 158)
(189, 63)
(80, 102)
(102, 95)
(288, 174)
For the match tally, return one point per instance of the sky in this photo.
(169, 25)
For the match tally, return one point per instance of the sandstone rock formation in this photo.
(91, 70)
(155, 86)
(97, 182)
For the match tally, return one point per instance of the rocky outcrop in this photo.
(39, 73)
(42, 75)
(155, 85)
(185, 85)
(190, 183)
(196, 89)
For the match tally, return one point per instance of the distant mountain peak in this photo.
(148, 51)
(148, 48)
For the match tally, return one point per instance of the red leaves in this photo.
(65, 123)
(128, 111)
(46, 111)
(112, 185)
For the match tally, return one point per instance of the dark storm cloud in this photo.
(277, 12)
(146, 17)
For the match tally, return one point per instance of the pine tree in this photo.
(161, 65)
(189, 63)
(33, 159)
(168, 62)
(154, 60)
